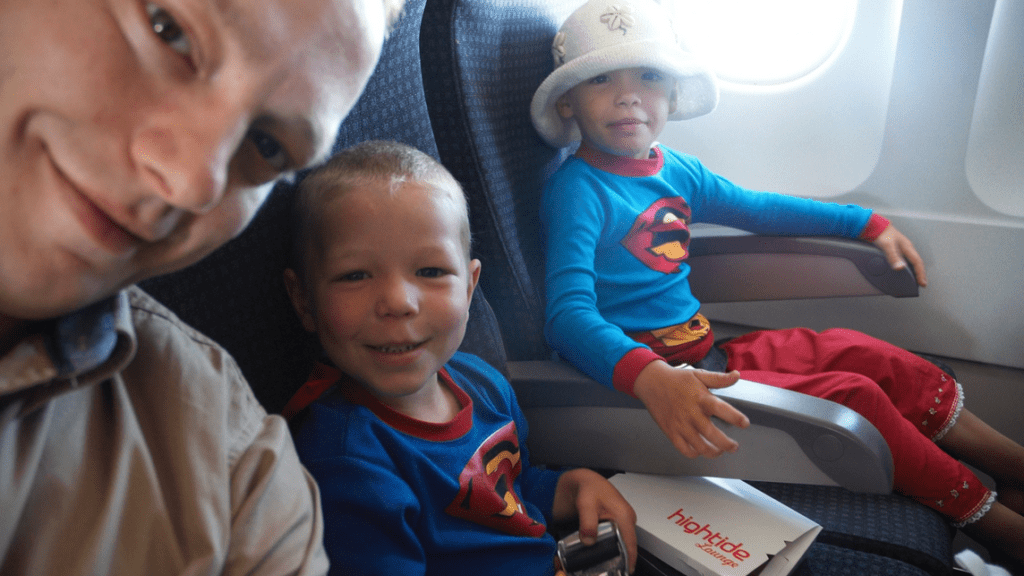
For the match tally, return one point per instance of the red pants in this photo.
(908, 399)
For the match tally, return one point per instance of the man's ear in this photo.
(564, 106)
(297, 294)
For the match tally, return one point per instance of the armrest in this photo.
(731, 266)
(793, 437)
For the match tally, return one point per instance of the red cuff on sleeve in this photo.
(874, 228)
(630, 366)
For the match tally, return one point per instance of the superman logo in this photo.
(486, 494)
(660, 236)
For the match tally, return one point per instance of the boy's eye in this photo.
(652, 76)
(599, 79)
(353, 276)
(167, 29)
(270, 149)
(431, 272)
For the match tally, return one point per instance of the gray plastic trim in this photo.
(793, 437)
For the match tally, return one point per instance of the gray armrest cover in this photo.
(793, 437)
(732, 266)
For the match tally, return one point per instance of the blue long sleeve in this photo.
(604, 233)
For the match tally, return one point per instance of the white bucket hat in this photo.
(606, 35)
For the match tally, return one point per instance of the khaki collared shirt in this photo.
(158, 460)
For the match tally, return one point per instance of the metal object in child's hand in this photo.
(606, 557)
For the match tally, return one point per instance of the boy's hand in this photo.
(899, 251)
(592, 498)
(682, 406)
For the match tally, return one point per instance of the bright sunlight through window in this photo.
(760, 42)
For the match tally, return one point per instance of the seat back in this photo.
(482, 62)
(237, 296)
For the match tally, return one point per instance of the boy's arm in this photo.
(770, 213)
(582, 336)
(573, 220)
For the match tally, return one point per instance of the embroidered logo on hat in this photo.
(618, 18)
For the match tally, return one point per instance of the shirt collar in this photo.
(83, 339)
(437, 432)
(622, 165)
(82, 343)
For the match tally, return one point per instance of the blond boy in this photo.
(419, 449)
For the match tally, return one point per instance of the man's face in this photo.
(136, 137)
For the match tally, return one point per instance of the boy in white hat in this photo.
(616, 217)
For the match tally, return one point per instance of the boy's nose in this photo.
(397, 299)
(628, 95)
(184, 155)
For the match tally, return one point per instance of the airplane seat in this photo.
(483, 59)
(236, 295)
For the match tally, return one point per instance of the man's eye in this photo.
(270, 149)
(167, 29)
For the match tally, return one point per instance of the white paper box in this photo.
(715, 526)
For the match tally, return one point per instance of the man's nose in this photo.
(184, 153)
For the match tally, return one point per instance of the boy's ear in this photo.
(297, 294)
(474, 276)
(564, 106)
(673, 100)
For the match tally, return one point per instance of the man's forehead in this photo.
(321, 53)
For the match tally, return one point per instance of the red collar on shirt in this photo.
(324, 377)
(437, 432)
(622, 165)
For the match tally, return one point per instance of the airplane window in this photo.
(996, 145)
(810, 117)
(753, 42)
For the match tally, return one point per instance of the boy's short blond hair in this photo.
(377, 162)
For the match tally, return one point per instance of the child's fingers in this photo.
(714, 436)
(587, 511)
(627, 529)
(899, 251)
(704, 439)
(916, 263)
(729, 414)
(717, 379)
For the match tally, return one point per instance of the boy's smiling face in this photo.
(388, 294)
(136, 137)
(620, 112)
